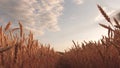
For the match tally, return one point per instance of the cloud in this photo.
(78, 2)
(36, 15)
(100, 17)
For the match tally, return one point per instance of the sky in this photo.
(58, 22)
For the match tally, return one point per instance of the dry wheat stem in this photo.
(7, 26)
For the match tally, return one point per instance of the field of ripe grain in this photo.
(23, 51)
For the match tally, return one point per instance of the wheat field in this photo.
(23, 51)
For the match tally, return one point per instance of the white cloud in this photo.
(78, 2)
(39, 32)
(36, 15)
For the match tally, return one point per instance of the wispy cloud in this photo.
(78, 2)
(36, 15)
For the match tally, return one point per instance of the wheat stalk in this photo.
(14, 29)
(117, 23)
(1, 34)
(31, 35)
(74, 43)
(107, 27)
(21, 29)
(15, 53)
(104, 14)
(7, 26)
(5, 48)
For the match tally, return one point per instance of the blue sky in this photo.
(58, 22)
